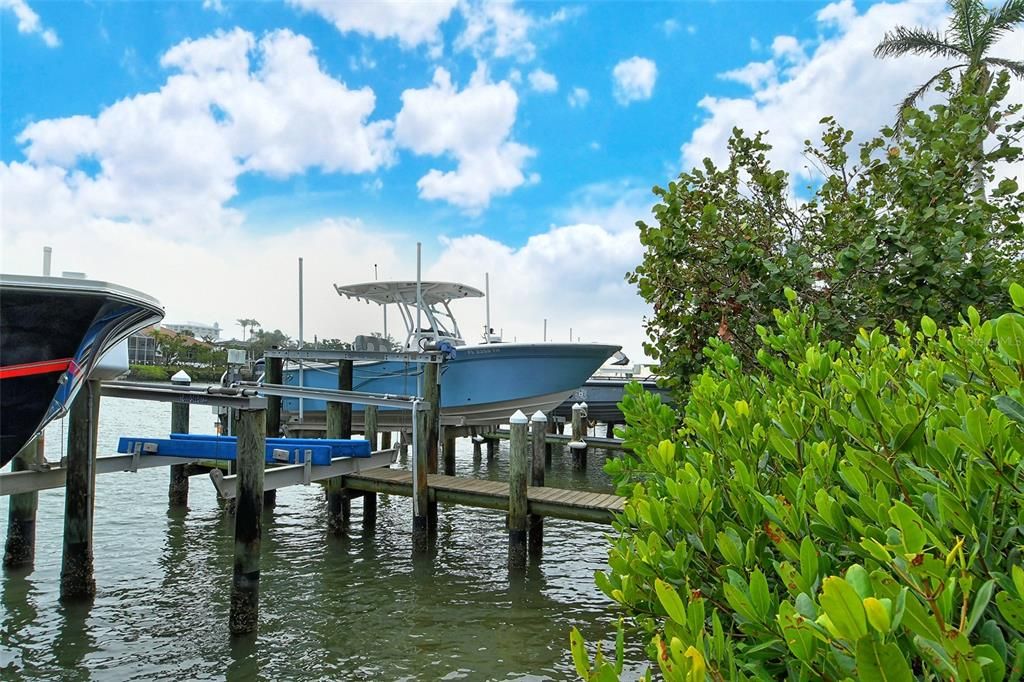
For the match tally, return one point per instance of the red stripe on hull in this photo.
(33, 368)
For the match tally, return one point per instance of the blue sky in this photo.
(179, 147)
(110, 51)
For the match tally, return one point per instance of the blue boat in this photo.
(480, 383)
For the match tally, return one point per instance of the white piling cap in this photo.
(538, 416)
(575, 406)
(577, 445)
(583, 405)
(478, 439)
(181, 377)
(518, 418)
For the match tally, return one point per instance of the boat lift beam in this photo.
(217, 396)
(336, 395)
(55, 476)
(321, 355)
(304, 474)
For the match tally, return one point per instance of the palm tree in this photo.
(243, 322)
(973, 30)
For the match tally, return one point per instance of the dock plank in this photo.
(582, 505)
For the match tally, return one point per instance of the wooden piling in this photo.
(492, 449)
(76, 572)
(578, 446)
(535, 522)
(477, 451)
(385, 440)
(177, 490)
(609, 430)
(20, 547)
(274, 374)
(339, 425)
(370, 425)
(517, 501)
(432, 396)
(449, 453)
(250, 426)
(549, 446)
(420, 492)
(370, 433)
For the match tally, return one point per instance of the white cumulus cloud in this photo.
(29, 22)
(473, 126)
(172, 157)
(634, 79)
(411, 23)
(572, 274)
(542, 81)
(578, 97)
(836, 74)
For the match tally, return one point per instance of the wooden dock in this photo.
(576, 505)
(562, 439)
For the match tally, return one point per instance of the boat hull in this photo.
(482, 384)
(53, 331)
(603, 396)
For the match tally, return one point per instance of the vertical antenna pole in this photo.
(487, 301)
(419, 290)
(301, 382)
(545, 329)
(47, 254)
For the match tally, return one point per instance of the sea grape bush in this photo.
(845, 511)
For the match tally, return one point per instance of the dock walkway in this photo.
(576, 505)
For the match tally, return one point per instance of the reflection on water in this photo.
(359, 606)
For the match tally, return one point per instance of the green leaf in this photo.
(928, 326)
(670, 601)
(808, 561)
(1010, 336)
(910, 525)
(859, 580)
(1017, 295)
(878, 614)
(1010, 407)
(877, 662)
(579, 654)
(843, 606)
(981, 599)
(1012, 610)
(760, 597)
(798, 632)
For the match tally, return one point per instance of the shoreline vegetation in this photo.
(839, 493)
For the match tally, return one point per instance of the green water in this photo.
(353, 607)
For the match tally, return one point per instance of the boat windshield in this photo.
(425, 309)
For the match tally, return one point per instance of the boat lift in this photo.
(250, 395)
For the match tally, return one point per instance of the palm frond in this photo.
(903, 40)
(966, 22)
(1011, 13)
(911, 99)
(1016, 68)
(1001, 21)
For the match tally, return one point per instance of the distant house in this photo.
(143, 348)
(198, 329)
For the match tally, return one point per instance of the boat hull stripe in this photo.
(32, 368)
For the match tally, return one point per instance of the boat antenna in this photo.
(545, 329)
(47, 253)
(419, 290)
(383, 305)
(487, 301)
(301, 382)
